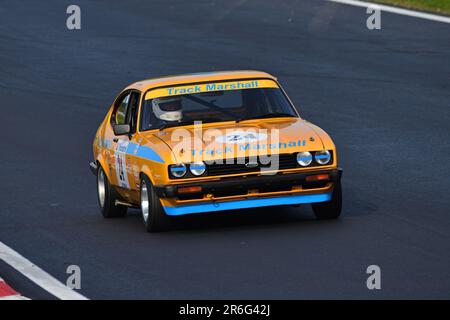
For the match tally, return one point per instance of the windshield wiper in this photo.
(186, 122)
(269, 115)
(211, 106)
(175, 124)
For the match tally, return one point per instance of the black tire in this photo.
(155, 219)
(107, 202)
(330, 209)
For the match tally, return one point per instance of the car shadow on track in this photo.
(237, 219)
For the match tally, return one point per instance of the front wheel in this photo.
(155, 219)
(107, 197)
(330, 209)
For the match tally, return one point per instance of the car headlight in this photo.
(322, 157)
(197, 168)
(177, 170)
(304, 158)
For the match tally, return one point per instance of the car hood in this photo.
(233, 140)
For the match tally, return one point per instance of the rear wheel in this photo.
(107, 197)
(330, 209)
(155, 219)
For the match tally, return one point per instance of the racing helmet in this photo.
(167, 108)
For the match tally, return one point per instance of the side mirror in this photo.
(121, 129)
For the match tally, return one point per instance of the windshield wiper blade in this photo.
(186, 122)
(175, 124)
(211, 105)
(269, 115)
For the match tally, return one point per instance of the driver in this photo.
(167, 108)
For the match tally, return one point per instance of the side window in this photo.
(120, 115)
(131, 117)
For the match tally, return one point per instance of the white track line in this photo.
(37, 275)
(15, 297)
(405, 12)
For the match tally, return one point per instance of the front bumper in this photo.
(242, 185)
(246, 183)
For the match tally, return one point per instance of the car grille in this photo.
(286, 161)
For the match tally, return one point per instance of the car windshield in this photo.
(213, 106)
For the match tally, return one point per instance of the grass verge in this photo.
(436, 6)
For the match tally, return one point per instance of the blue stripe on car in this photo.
(145, 152)
(251, 203)
(131, 149)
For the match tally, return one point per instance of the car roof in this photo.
(147, 84)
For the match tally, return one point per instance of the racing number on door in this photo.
(121, 164)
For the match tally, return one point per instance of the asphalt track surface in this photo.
(384, 97)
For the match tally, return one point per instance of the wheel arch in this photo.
(145, 170)
(101, 162)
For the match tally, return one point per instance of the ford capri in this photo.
(207, 142)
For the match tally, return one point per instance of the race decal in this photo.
(239, 136)
(121, 164)
(209, 87)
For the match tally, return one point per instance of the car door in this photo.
(132, 145)
(122, 163)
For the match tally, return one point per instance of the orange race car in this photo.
(211, 142)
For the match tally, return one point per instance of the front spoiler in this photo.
(249, 182)
(245, 204)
